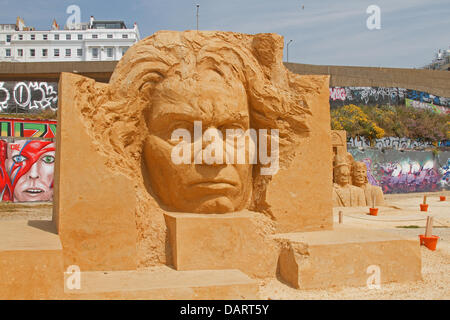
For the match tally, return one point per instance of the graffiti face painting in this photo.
(30, 166)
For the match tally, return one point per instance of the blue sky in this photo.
(326, 32)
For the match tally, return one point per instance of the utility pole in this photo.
(198, 6)
(287, 50)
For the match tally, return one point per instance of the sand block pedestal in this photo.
(31, 268)
(165, 283)
(31, 261)
(221, 241)
(341, 257)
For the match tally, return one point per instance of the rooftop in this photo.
(91, 24)
(108, 24)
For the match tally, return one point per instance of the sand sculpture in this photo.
(164, 188)
(203, 83)
(373, 194)
(344, 193)
(176, 79)
(351, 172)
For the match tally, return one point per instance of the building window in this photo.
(109, 36)
(20, 52)
(68, 37)
(33, 37)
(79, 52)
(94, 52)
(80, 37)
(68, 53)
(45, 37)
(124, 50)
(56, 36)
(8, 52)
(8, 38)
(56, 52)
(32, 52)
(95, 36)
(44, 52)
(20, 36)
(124, 36)
(109, 52)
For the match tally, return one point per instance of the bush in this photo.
(352, 119)
(396, 121)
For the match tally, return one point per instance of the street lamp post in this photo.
(198, 6)
(287, 50)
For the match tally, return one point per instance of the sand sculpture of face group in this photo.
(351, 186)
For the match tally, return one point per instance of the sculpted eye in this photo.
(235, 126)
(180, 127)
(19, 158)
(233, 129)
(48, 159)
(149, 82)
(189, 126)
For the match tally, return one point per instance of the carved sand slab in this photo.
(169, 92)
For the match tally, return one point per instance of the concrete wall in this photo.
(50, 71)
(431, 81)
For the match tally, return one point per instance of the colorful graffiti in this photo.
(387, 142)
(407, 171)
(340, 96)
(27, 168)
(445, 173)
(428, 98)
(28, 96)
(27, 128)
(409, 176)
(426, 105)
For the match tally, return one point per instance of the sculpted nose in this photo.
(213, 147)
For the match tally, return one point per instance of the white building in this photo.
(441, 60)
(92, 41)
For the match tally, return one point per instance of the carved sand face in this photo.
(342, 175)
(176, 104)
(359, 173)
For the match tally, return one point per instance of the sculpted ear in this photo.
(268, 49)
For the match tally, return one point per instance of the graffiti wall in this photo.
(10, 127)
(388, 142)
(28, 96)
(426, 105)
(428, 98)
(340, 96)
(404, 172)
(27, 168)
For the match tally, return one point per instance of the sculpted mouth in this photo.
(215, 184)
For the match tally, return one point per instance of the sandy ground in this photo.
(26, 211)
(403, 217)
